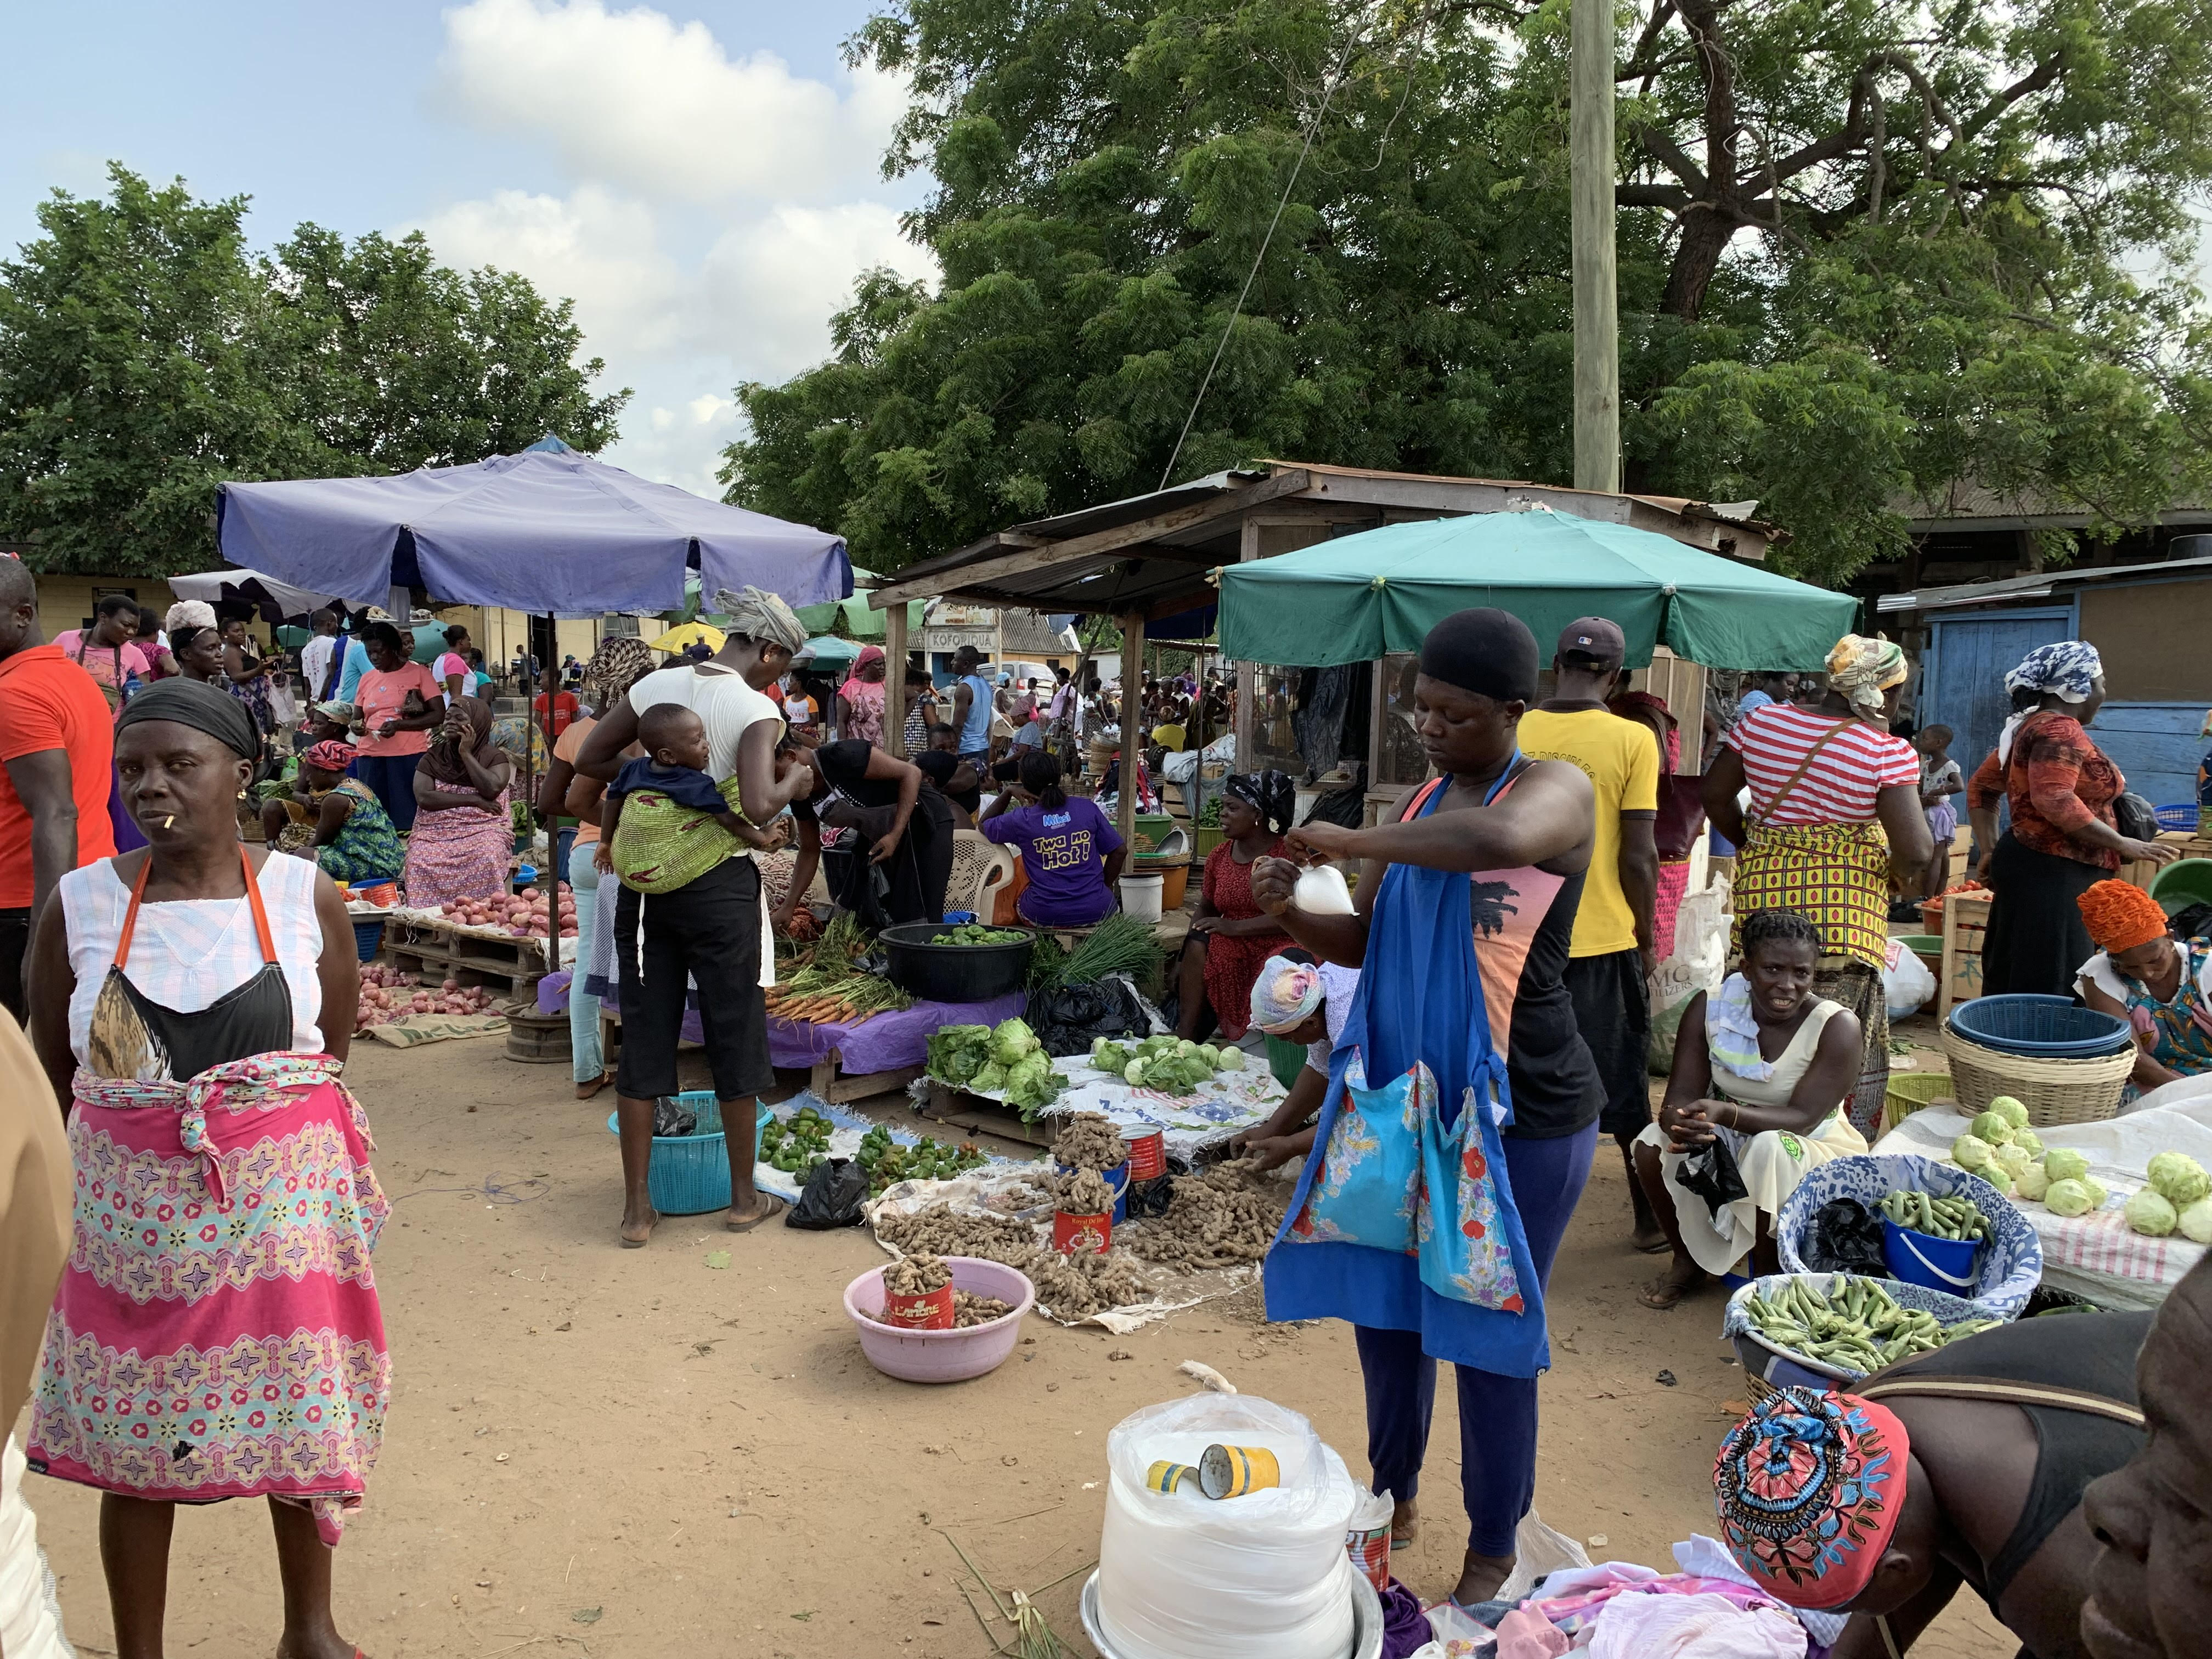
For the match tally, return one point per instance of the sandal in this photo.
(628, 1243)
(776, 1206)
(1664, 1293)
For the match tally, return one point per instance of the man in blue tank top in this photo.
(972, 706)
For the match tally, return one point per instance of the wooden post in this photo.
(895, 681)
(1597, 316)
(1133, 737)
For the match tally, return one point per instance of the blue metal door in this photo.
(1970, 656)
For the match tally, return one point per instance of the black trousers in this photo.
(2037, 940)
(709, 932)
(1613, 1007)
(15, 939)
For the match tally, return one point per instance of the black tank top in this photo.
(1556, 1087)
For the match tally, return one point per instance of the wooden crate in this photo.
(434, 951)
(959, 1109)
(1965, 920)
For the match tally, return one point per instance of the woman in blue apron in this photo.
(1461, 1111)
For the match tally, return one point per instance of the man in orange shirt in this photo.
(58, 746)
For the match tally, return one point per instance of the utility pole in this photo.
(1597, 311)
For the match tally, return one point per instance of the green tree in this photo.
(1869, 253)
(146, 355)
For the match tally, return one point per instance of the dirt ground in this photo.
(623, 1453)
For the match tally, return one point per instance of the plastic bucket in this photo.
(1141, 896)
(1932, 1263)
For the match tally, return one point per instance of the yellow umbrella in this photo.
(684, 636)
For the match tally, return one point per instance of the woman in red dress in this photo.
(1231, 937)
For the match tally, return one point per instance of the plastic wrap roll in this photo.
(1261, 1576)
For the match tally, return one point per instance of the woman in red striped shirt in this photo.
(1825, 783)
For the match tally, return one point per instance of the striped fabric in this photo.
(1841, 784)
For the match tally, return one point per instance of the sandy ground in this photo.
(618, 1453)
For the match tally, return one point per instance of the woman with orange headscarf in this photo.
(2161, 986)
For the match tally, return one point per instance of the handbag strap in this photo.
(1774, 801)
(2007, 1391)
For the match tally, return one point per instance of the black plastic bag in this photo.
(671, 1116)
(1846, 1237)
(832, 1198)
(1068, 1019)
(1710, 1173)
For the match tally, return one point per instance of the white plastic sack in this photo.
(1538, 1552)
(30, 1619)
(1261, 1576)
(1906, 984)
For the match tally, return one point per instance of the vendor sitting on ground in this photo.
(660, 816)
(1072, 855)
(339, 824)
(2139, 974)
(1880, 1502)
(1232, 936)
(462, 846)
(1760, 1070)
(1299, 1002)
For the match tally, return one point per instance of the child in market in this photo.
(661, 808)
(1940, 780)
(1300, 1001)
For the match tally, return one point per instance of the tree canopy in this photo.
(146, 355)
(1871, 252)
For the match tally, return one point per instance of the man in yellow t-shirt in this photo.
(1612, 957)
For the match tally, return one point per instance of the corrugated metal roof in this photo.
(2030, 587)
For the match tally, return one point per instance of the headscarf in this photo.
(1285, 995)
(442, 760)
(343, 713)
(1488, 653)
(330, 755)
(189, 613)
(1809, 1487)
(869, 657)
(760, 614)
(2066, 670)
(1271, 794)
(621, 660)
(1861, 669)
(200, 706)
(2120, 917)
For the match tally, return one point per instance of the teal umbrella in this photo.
(829, 653)
(1361, 597)
(853, 618)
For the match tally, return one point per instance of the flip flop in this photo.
(639, 1243)
(776, 1206)
(1668, 1303)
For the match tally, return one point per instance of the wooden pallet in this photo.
(959, 1109)
(434, 952)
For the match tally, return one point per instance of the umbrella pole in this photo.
(552, 889)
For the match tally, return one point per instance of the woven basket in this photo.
(2053, 1091)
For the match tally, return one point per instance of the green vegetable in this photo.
(1232, 1059)
(1012, 1040)
(2062, 1164)
(1992, 1127)
(2011, 1110)
(1111, 1057)
(972, 933)
(2179, 1179)
(1998, 1175)
(2015, 1159)
(2150, 1213)
(2196, 1221)
(991, 1080)
(2031, 1182)
(2097, 1191)
(1971, 1151)
(1134, 1074)
(2028, 1141)
(957, 1053)
(1032, 1083)
(1210, 1055)
(1855, 1325)
(1953, 1216)
(1119, 944)
(2066, 1196)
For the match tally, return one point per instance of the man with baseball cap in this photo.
(1614, 951)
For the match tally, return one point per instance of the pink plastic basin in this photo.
(943, 1356)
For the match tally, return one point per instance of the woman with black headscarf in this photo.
(1231, 937)
(464, 835)
(1462, 1102)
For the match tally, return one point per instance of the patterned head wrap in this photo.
(1809, 1487)
(760, 614)
(1285, 995)
(189, 613)
(2120, 917)
(340, 713)
(621, 660)
(2067, 669)
(1271, 794)
(330, 755)
(1861, 669)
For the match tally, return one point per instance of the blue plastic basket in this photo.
(368, 938)
(689, 1175)
(2047, 1027)
(2183, 817)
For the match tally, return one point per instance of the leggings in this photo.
(1496, 1415)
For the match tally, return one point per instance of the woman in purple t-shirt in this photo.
(1071, 853)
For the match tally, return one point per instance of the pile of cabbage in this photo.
(2000, 1147)
(1173, 1066)
(1007, 1061)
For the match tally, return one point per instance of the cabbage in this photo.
(1185, 1047)
(2179, 1179)
(1992, 1127)
(2097, 1191)
(2010, 1110)
(1232, 1059)
(1111, 1057)
(2062, 1164)
(2067, 1197)
(2196, 1221)
(2028, 1141)
(1133, 1073)
(1210, 1055)
(2030, 1181)
(2150, 1213)
(2014, 1160)
(1998, 1175)
(1031, 1082)
(1011, 1041)
(992, 1079)
(1971, 1151)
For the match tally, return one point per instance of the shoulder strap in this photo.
(2005, 1391)
(1774, 801)
(261, 929)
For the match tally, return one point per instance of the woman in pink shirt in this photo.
(108, 650)
(399, 703)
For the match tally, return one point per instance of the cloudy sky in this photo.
(702, 180)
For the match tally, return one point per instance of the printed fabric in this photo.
(1233, 963)
(368, 848)
(2177, 1033)
(1809, 1487)
(1837, 874)
(217, 1333)
(660, 844)
(459, 852)
(2056, 781)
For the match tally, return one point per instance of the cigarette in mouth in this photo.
(169, 820)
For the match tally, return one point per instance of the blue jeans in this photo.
(563, 843)
(587, 1062)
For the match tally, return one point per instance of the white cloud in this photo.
(718, 210)
(632, 97)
